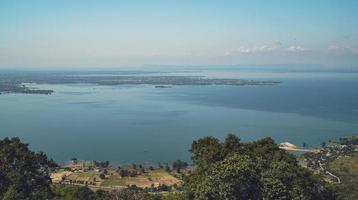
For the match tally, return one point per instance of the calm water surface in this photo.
(141, 123)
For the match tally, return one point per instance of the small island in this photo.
(13, 87)
(163, 86)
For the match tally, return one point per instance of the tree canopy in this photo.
(23, 173)
(228, 170)
(254, 170)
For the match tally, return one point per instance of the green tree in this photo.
(71, 192)
(102, 176)
(102, 164)
(23, 173)
(253, 170)
(232, 144)
(176, 196)
(133, 194)
(167, 168)
(74, 160)
(206, 150)
(178, 165)
(323, 144)
(236, 177)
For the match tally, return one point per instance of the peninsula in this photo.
(14, 82)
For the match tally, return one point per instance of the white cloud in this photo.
(296, 49)
(276, 46)
(260, 49)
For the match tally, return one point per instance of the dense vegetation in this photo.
(255, 170)
(223, 170)
(23, 174)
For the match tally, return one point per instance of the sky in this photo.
(115, 33)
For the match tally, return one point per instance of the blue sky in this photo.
(108, 33)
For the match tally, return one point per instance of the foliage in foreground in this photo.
(70, 192)
(256, 170)
(223, 170)
(23, 173)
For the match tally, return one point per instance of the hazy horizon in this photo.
(169, 67)
(108, 34)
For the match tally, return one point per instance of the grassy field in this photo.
(85, 174)
(157, 174)
(346, 167)
(155, 177)
(114, 181)
(147, 179)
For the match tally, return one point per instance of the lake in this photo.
(141, 123)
